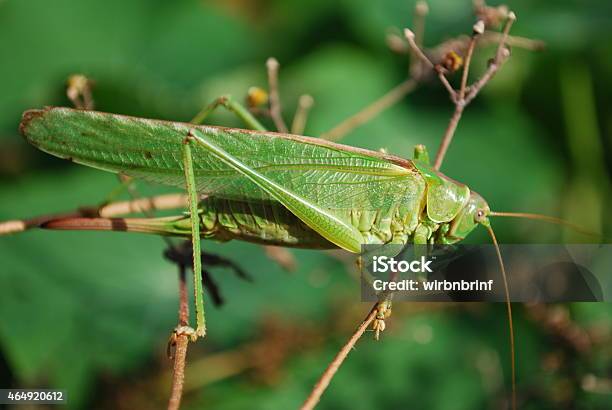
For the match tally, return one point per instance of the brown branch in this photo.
(463, 98)
(179, 342)
(478, 30)
(143, 205)
(178, 377)
(493, 37)
(448, 135)
(466, 94)
(319, 388)
(371, 111)
(20, 225)
(275, 105)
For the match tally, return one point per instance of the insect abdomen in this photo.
(265, 222)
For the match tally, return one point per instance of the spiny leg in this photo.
(195, 235)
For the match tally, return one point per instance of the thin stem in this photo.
(420, 12)
(181, 343)
(178, 376)
(416, 50)
(183, 299)
(466, 67)
(504, 37)
(487, 76)
(319, 388)
(448, 135)
(275, 105)
(464, 99)
(371, 111)
(143, 205)
(447, 84)
(20, 225)
(501, 55)
(301, 114)
(493, 37)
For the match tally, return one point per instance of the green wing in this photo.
(334, 177)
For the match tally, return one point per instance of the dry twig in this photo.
(465, 94)
(275, 104)
(319, 388)
(179, 342)
(305, 103)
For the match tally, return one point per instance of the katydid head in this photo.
(475, 212)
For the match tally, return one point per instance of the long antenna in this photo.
(509, 309)
(546, 218)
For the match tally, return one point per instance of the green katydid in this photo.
(264, 187)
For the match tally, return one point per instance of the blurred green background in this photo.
(91, 312)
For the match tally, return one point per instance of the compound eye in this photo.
(480, 215)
